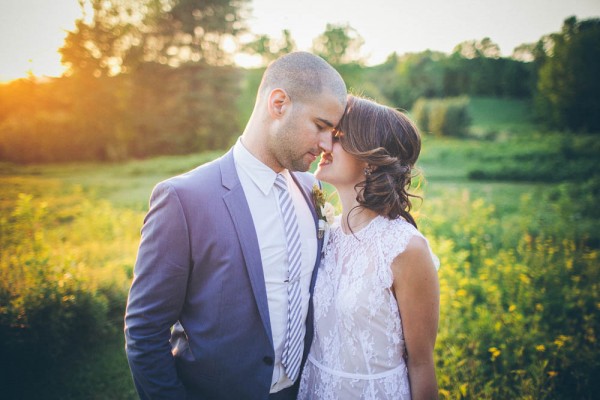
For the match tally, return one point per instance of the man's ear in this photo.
(278, 103)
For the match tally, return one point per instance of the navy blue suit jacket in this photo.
(197, 320)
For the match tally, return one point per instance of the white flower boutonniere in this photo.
(325, 211)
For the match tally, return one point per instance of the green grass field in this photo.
(519, 277)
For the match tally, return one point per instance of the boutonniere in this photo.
(325, 210)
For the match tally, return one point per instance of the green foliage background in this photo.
(509, 208)
(519, 272)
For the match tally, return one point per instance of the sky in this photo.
(31, 31)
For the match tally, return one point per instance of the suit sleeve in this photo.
(157, 295)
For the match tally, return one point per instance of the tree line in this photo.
(155, 77)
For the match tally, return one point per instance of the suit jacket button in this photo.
(268, 360)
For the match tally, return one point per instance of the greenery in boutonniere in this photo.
(325, 210)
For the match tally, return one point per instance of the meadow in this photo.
(510, 211)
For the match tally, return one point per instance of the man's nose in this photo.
(325, 141)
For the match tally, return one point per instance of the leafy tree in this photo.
(569, 83)
(417, 75)
(475, 58)
(269, 48)
(339, 44)
(181, 31)
(191, 110)
(517, 78)
(288, 44)
(478, 49)
(475, 68)
(100, 41)
(379, 80)
(180, 43)
(118, 35)
(401, 80)
(524, 52)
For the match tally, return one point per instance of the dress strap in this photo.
(349, 375)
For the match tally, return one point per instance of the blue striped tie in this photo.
(292, 352)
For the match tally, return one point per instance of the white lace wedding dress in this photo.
(358, 348)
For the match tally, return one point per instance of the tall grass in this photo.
(65, 266)
(519, 276)
(495, 118)
(519, 301)
(519, 305)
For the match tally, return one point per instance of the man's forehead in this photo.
(327, 122)
(327, 108)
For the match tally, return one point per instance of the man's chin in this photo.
(300, 166)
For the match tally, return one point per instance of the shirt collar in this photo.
(262, 176)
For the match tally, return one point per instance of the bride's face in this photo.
(340, 168)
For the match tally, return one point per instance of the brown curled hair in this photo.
(390, 144)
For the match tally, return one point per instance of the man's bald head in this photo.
(303, 76)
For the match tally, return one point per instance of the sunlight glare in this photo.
(45, 64)
(248, 60)
(31, 32)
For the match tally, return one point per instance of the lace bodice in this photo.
(358, 347)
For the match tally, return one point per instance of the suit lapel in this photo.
(238, 208)
(236, 203)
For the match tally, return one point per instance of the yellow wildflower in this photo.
(495, 352)
(524, 278)
(560, 341)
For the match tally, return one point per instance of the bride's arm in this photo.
(416, 288)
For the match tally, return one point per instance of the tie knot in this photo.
(281, 182)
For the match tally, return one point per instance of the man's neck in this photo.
(259, 150)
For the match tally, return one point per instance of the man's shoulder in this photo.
(203, 178)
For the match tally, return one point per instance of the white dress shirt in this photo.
(258, 183)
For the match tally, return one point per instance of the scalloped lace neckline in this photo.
(359, 232)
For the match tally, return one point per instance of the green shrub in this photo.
(54, 306)
(540, 158)
(519, 303)
(420, 114)
(443, 117)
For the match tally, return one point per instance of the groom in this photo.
(222, 283)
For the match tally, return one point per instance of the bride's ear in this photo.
(278, 103)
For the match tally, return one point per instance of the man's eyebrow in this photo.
(326, 122)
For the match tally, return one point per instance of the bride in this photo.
(377, 294)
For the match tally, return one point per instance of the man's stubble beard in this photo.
(283, 148)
